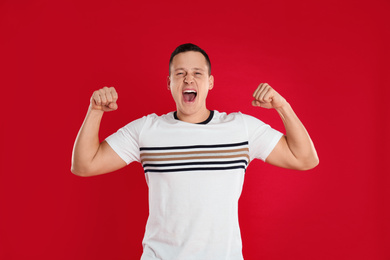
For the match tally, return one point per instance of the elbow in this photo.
(79, 172)
(309, 164)
(76, 171)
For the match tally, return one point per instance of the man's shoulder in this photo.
(154, 116)
(148, 119)
(238, 117)
(224, 116)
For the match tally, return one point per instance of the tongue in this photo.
(189, 96)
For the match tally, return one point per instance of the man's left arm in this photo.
(295, 150)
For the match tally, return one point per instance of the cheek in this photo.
(175, 83)
(175, 90)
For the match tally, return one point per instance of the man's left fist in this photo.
(265, 96)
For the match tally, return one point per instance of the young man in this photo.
(194, 159)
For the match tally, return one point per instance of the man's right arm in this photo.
(90, 157)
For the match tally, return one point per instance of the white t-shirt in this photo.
(195, 174)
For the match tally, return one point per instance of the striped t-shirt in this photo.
(195, 174)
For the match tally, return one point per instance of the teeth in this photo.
(190, 91)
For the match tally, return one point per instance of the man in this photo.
(194, 159)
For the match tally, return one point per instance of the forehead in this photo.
(189, 60)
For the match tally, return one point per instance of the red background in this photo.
(328, 58)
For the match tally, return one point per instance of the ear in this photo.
(211, 82)
(169, 83)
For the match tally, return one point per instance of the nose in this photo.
(188, 79)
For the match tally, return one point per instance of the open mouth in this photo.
(189, 95)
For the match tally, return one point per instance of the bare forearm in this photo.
(87, 142)
(297, 138)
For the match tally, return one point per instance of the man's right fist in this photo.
(104, 99)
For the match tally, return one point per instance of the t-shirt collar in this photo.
(201, 123)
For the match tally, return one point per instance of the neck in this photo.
(194, 119)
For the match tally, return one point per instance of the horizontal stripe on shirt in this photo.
(196, 169)
(193, 146)
(184, 158)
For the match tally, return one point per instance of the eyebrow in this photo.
(191, 69)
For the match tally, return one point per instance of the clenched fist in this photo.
(104, 99)
(265, 96)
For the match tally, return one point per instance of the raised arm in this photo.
(295, 150)
(90, 157)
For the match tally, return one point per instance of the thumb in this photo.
(113, 106)
(256, 103)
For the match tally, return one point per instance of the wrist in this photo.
(93, 111)
(285, 111)
(284, 107)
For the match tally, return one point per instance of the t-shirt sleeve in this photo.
(125, 142)
(262, 137)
